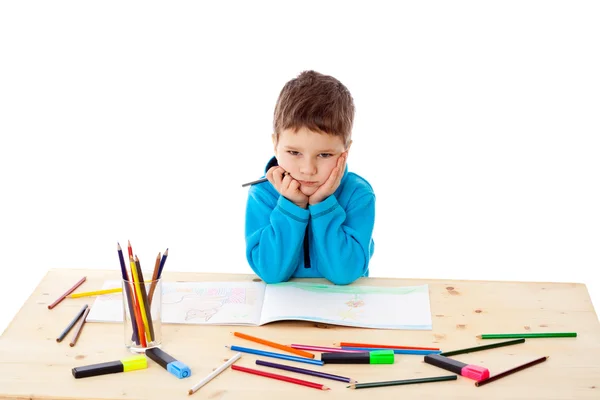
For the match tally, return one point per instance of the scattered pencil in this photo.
(280, 377)
(322, 349)
(71, 324)
(275, 355)
(511, 371)
(383, 346)
(527, 335)
(484, 347)
(305, 371)
(95, 293)
(68, 292)
(403, 382)
(216, 372)
(289, 349)
(79, 327)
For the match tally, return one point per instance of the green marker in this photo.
(366, 357)
(526, 335)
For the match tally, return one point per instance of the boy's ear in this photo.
(274, 139)
(349, 144)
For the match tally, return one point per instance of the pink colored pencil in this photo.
(323, 349)
(68, 292)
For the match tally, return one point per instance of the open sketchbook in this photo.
(257, 303)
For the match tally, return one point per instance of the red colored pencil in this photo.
(383, 346)
(280, 377)
(68, 292)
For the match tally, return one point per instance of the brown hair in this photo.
(318, 102)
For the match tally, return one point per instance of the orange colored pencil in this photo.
(383, 346)
(68, 292)
(301, 353)
(280, 377)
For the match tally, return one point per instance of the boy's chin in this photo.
(308, 191)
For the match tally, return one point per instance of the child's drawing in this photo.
(354, 310)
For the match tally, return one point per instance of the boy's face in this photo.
(308, 156)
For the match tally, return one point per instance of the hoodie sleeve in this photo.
(275, 229)
(343, 238)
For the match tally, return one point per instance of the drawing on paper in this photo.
(354, 310)
(204, 303)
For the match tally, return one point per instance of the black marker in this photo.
(467, 370)
(175, 367)
(367, 357)
(111, 367)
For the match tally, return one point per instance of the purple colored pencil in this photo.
(323, 349)
(305, 371)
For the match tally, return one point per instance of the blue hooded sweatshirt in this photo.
(331, 239)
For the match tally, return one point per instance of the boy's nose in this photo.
(308, 168)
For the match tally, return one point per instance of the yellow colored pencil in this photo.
(139, 286)
(95, 293)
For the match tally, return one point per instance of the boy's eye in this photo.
(292, 152)
(325, 155)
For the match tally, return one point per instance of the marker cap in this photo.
(475, 372)
(179, 369)
(382, 357)
(134, 363)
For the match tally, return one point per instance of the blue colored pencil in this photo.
(162, 263)
(396, 351)
(275, 355)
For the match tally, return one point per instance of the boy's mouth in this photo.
(308, 183)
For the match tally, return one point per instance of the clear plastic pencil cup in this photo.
(142, 305)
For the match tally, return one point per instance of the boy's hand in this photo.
(332, 183)
(287, 186)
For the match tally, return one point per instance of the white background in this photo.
(477, 124)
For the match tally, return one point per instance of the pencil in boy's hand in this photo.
(255, 182)
(280, 377)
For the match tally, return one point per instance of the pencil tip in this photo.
(71, 344)
(325, 388)
(190, 392)
(478, 336)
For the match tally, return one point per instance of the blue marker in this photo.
(396, 351)
(276, 355)
(175, 367)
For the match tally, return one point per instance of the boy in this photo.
(312, 218)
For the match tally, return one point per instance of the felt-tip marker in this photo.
(111, 367)
(367, 357)
(175, 367)
(467, 370)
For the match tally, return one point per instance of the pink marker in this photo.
(467, 370)
(324, 349)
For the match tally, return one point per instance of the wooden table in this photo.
(34, 366)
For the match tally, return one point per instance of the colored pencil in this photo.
(280, 377)
(396, 351)
(95, 293)
(154, 278)
(144, 305)
(322, 349)
(526, 335)
(137, 305)
(162, 263)
(261, 180)
(305, 371)
(79, 327)
(68, 292)
(213, 374)
(129, 293)
(289, 349)
(275, 355)
(383, 346)
(71, 324)
(403, 382)
(484, 347)
(511, 371)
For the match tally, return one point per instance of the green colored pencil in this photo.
(402, 382)
(484, 347)
(526, 335)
